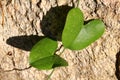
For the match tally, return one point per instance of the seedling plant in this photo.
(75, 36)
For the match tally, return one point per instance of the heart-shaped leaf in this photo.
(42, 55)
(76, 35)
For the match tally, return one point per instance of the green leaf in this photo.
(76, 35)
(49, 62)
(58, 61)
(72, 26)
(42, 55)
(44, 48)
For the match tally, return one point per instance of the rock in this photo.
(20, 23)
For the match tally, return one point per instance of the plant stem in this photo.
(54, 69)
(50, 74)
(62, 51)
(78, 3)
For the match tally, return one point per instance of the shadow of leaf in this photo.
(52, 26)
(53, 22)
(24, 42)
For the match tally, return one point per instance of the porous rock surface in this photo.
(20, 24)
